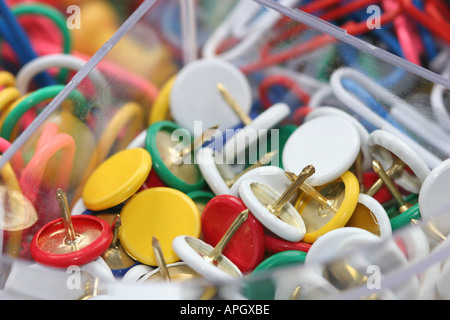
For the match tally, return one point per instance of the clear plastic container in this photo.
(145, 52)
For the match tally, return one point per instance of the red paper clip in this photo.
(353, 28)
(441, 29)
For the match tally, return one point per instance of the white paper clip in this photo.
(363, 111)
(245, 22)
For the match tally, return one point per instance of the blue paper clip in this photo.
(13, 33)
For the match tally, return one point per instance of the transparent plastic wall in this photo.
(111, 101)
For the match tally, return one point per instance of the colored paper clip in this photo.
(316, 42)
(371, 102)
(440, 113)
(17, 162)
(429, 42)
(245, 22)
(54, 15)
(406, 33)
(49, 143)
(438, 9)
(66, 61)
(348, 54)
(441, 29)
(17, 38)
(16, 110)
(360, 109)
(127, 78)
(288, 83)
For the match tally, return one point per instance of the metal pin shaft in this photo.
(246, 120)
(378, 168)
(276, 207)
(217, 251)
(163, 270)
(67, 221)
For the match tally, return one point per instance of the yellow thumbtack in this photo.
(332, 207)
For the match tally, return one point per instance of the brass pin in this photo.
(71, 236)
(226, 95)
(344, 276)
(396, 167)
(115, 257)
(163, 270)
(261, 161)
(402, 203)
(90, 290)
(431, 229)
(116, 223)
(276, 207)
(214, 255)
(296, 293)
(359, 173)
(326, 205)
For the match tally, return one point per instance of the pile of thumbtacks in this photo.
(229, 183)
